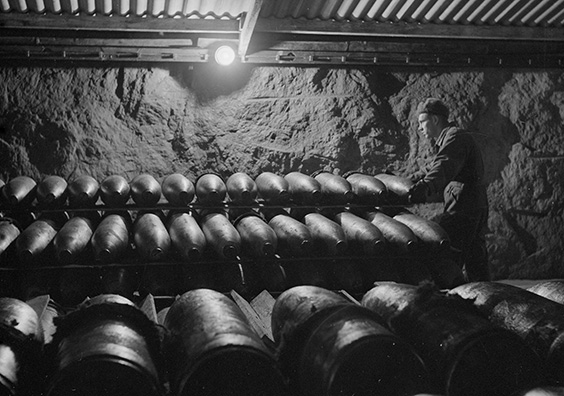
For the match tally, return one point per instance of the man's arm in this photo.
(448, 162)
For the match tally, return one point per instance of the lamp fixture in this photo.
(224, 55)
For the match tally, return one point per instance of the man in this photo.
(457, 171)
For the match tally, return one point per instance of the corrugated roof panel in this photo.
(515, 19)
(406, 11)
(375, 12)
(436, 10)
(37, 6)
(490, 16)
(465, 11)
(345, 9)
(536, 11)
(329, 8)
(18, 5)
(481, 10)
(313, 10)
(390, 13)
(557, 19)
(542, 19)
(420, 11)
(449, 12)
(491, 12)
(361, 9)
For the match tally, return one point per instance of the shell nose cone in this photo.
(65, 256)
(349, 196)
(185, 197)
(157, 253)
(230, 252)
(341, 247)
(268, 249)
(105, 255)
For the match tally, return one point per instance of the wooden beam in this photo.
(337, 30)
(249, 23)
(350, 29)
(116, 24)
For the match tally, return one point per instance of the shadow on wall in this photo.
(209, 81)
(494, 132)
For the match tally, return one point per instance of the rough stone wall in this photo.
(102, 121)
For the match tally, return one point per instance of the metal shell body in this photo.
(272, 188)
(19, 191)
(294, 237)
(466, 353)
(145, 190)
(335, 189)
(186, 236)
(431, 235)
(83, 191)
(51, 192)
(73, 238)
(553, 290)
(151, 237)
(537, 320)
(35, 239)
(361, 233)
(210, 189)
(258, 238)
(106, 347)
(115, 190)
(330, 346)
(178, 189)
(213, 348)
(397, 186)
(22, 337)
(241, 189)
(111, 237)
(221, 235)
(328, 236)
(303, 188)
(397, 234)
(367, 189)
(8, 234)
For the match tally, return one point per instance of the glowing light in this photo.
(224, 55)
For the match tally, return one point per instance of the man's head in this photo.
(432, 118)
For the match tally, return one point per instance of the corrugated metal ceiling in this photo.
(475, 33)
(479, 12)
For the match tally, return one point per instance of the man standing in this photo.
(457, 171)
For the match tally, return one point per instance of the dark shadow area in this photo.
(494, 133)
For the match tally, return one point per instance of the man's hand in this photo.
(418, 192)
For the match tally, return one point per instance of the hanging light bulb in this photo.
(224, 55)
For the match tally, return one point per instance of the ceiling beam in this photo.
(253, 25)
(406, 30)
(116, 24)
(249, 23)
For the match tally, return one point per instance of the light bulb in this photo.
(224, 55)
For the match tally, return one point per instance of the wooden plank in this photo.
(349, 297)
(337, 29)
(116, 23)
(254, 319)
(39, 304)
(149, 309)
(408, 30)
(263, 304)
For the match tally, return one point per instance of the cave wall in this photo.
(174, 118)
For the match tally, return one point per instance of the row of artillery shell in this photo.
(399, 339)
(208, 189)
(251, 234)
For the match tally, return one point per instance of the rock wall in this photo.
(101, 121)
